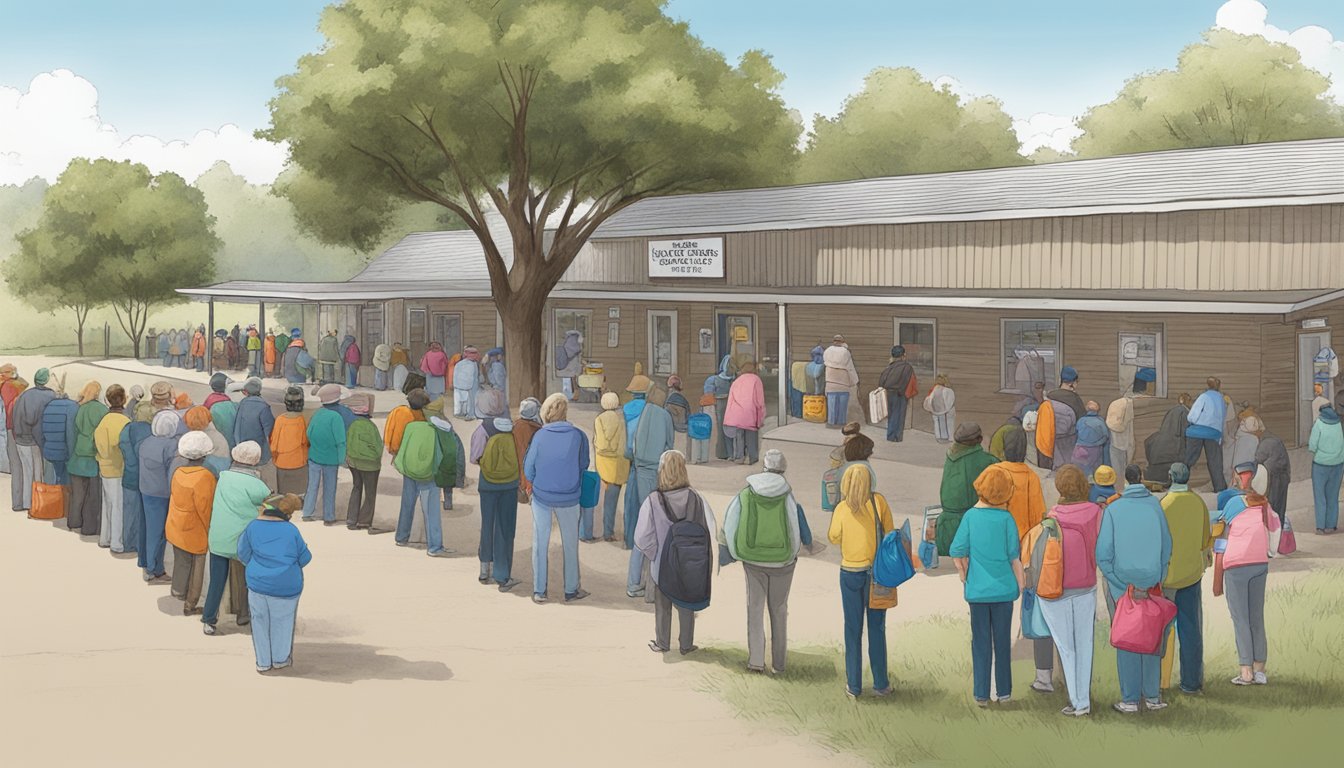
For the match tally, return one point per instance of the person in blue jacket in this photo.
(554, 466)
(253, 420)
(132, 509)
(274, 554)
(156, 456)
(1134, 549)
(58, 437)
(1205, 432)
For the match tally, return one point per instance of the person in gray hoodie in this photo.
(157, 454)
(27, 432)
(1134, 549)
(254, 421)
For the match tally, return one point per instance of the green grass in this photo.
(932, 720)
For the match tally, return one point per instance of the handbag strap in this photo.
(877, 526)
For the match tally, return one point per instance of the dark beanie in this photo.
(1015, 444)
(898, 351)
(968, 433)
(218, 382)
(417, 399)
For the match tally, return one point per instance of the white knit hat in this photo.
(194, 445)
(247, 452)
(775, 461)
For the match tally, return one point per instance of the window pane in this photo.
(662, 345)
(416, 326)
(1030, 354)
(1141, 366)
(918, 338)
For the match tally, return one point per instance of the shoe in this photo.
(484, 578)
(1069, 711)
(883, 692)
(539, 598)
(1320, 531)
(1004, 699)
(1239, 680)
(1260, 678)
(634, 593)
(656, 648)
(1042, 687)
(853, 696)
(576, 596)
(1195, 692)
(350, 527)
(208, 629)
(307, 519)
(506, 586)
(689, 651)
(403, 543)
(191, 611)
(118, 551)
(284, 664)
(244, 621)
(1125, 708)
(104, 546)
(330, 522)
(982, 703)
(162, 578)
(1154, 705)
(176, 594)
(608, 538)
(756, 670)
(261, 671)
(445, 552)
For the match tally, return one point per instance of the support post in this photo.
(783, 365)
(261, 332)
(210, 336)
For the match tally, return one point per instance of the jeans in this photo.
(499, 522)
(272, 628)
(568, 520)
(795, 403)
(634, 574)
(351, 376)
(1140, 674)
(1325, 481)
(1213, 456)
(1190, 633)
(152, 541)
(748, 444)
(586, 523)
(110, 529)
(1071, 620)
(699, 451)
(854, 601)
(132, 522)
(611, 497)
(1245, 589)
(897, 403)
(768, 591)
(837, 405)
(427, 493)
(380, 380)
(567, 387)
(363, 494)
(324, 475)
(225, 572)
(991, 639)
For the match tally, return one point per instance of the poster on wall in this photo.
(706, 341)
(700, 257)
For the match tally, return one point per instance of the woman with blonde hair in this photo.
(613, 467)
(554, 466)
(942, 403)
(859, 522)
(676, 514)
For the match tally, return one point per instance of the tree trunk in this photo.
(524, 342)
(79, 334)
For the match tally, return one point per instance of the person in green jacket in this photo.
(85, 510)
(964, 463)
(1191, 543)
(1327, 469)
(364, 457)
(452, 468)
(281, 344)
(326, 453)
(238, 495)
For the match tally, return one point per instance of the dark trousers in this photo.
(1277, 493)
(499, 523)
(1189, 634)
(991, 641)
(363, 494)
(795, 403)
(1213, 456)
(896, 407)
(662, 622)
(132, 522)
(225, 572)
(854, 601)
(85, 509)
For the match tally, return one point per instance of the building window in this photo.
(567, 320)
(415, 325)
(1031, 350)
(919, 336)
(662, 343)
(1143, 362)
(373, 327)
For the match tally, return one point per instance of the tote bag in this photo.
(880, 598)
(1138, 625)
(1033, 620)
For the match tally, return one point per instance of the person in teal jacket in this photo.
(326, 453)
(1134, 549)
(238, 495)
(1327, 469)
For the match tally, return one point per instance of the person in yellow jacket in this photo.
(854, 526)
(111, 467)
(289, 446)
(191, 499)
(613, 467)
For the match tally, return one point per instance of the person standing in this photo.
(1072, 616)
(198, 349)
(326, 454)
(1191, 547)
(133, 510)
(111, 467)
(1241, 569)
(417, 457)
(1068, 409)
(497, 485)
(1133, 550)
(434, 364)
(274, 554)
(364, 456)
(254, 351)
(1120, 423)
(554, 465)
(964, 463)
(26, 428)
(679, 408)
(525, 427)
(270, 354)
(859, 522)
(156, 456)
(719, 385)
(351, 356)
(187, 527)
(1327, 468)
(281, 346)
(987, 554)
(224, 412)
(328, 357)
(467, 380)
(569, 362)
(841, 380)
(1205, 432)
(238, 495)
(613, 466)
(896, 381)
(382, 366)
(942, 403)
(11, 386)
(745, 412)
(660, 523)
(650, 437)
(1094, 440)
(254, 421)
(1271, 454)
(164, 346)
(761, 530)
(1027, 506)
(86, 504)
(496, 374)
(289, 446)
(451, 471)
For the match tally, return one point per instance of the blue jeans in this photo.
(1325, 481)
(611, 497)
(499, 522)
(152, 541)
(380, 380)
(1190, 635)
(568, 520)
(1072, 621)
(272, 628)
(351, 376)
(795, 403)
(634, 575)
(132, 522)
(427, 493)
(991, 638)
(896, 406)
(586, 522)
(854, 601)
(324, 475)
(837, 407)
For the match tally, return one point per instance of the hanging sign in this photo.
(701, 257)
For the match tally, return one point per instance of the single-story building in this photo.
(1224, 262)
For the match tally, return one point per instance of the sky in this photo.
(180, 85)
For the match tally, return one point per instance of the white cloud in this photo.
(1038, 130)
(57, 120)
(1318, 47)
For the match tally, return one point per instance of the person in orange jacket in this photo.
(198, 348)
(269, 352)
(188, 525)
(413, 410)
(289, 446)
(1027, 506)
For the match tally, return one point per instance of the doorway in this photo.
(448, 331)
(1308, 344)
(736, 334)
(662, 343)
(562, 322)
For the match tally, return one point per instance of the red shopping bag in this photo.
(1138, 624)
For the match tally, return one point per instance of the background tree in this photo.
(559, 112)
(1229, 89)
(50, 270)
(900, 123)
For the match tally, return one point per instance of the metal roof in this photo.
(350, 292)
(1285, 173)
(456, 253)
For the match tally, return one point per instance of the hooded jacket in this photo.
(769, 485)
(1134, 545)
(653, 524)
(326, 437)
(347, 358)
(1271, 452)
(1092, 431)
(1327, 439)
(555, 463)
(289, 441)
(189, 506)
(961, 468)
(1027, 505)
(269, 354)
(84, 457)
(238, 496)
(609, 441)
(495, 372)
(363, 445)
(654, 435)
(840, 373)
(382, 358)
(746, 403)
(454, 475)
(107, 444)
(896, 376)
(26, 418)
(198, 344)
(156, 456)
(434, 362)
(254, 421)
(816, 372)
(328, 350)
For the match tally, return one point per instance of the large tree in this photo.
(900, 123)
(1228, 89)
(50, 271)
(553, 113)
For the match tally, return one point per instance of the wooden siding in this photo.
(1278, 248)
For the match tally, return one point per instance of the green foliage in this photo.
(901, 123)
(1229, 89)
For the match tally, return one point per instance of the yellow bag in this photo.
(814, 408)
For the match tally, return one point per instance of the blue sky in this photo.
(170, 68)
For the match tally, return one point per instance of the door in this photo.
(1308, 344)
(919, 336)
(448, 331)
(562, 322)
(662, 343)
(737, 337)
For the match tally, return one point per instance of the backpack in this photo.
(679, 410)
(1115, 414)
(561, 357)
(413, 381)
(303, 359)
(445, 472)
(700, 426)
(1029, 420)
(912, 388)
(363, 444)
(686, 561)
(1066, 420)
(499, 463)
(763, 529)
(1043, 556)
(1073, 539)
(419, 445)
(892, 564)
(830, 488)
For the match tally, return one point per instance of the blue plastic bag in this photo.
(1033, 620)
(700, 426)
(892, 566)
(928, 555)
(589, 494)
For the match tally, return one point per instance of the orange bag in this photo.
(48, 502)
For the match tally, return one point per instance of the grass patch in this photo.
(932, 720)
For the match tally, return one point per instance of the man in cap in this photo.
(26, 429)
(1066, 424)
(966, 459)
(326, 454)
(254, 421)
(896, 381)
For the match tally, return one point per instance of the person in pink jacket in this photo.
(745, 414)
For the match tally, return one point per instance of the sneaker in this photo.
(539, 598)
(1126, 708)
(634, 593)
(853, 695)
(196, 611)
(1239, 680)
(1260, 678)
(1069, 711)
(445, 552)
(608, 538)
(508, 585)
(1189, 692)
(162, 578)
(403, 543)
(883, 692)
(1320, 531)
(307, 519)
(1004, 699)
(244, 621)
(208, 629)
(330, 523)
(656, 648)
(1154, 705)
(582, 593)
(1042, 687)
(756, 670)
(689, 651)
(350, 526)
(286, 663)
(982, 703)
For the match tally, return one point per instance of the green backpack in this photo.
(763, 528)
(364, 446)
(499, 463)
(445, 474)
(419, 448)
